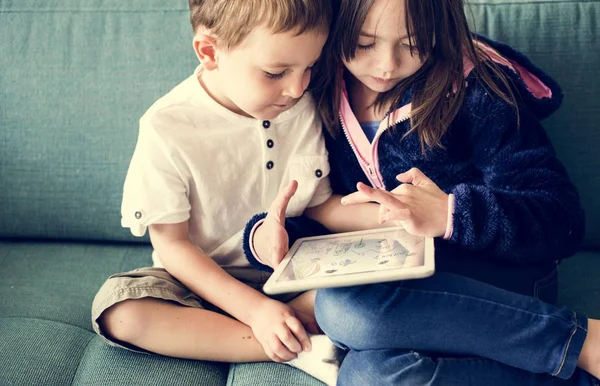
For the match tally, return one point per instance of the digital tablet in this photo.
(353, 258)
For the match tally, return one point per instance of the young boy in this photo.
(210, 154)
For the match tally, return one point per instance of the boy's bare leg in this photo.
(304, 305)
(173, 330)
(589, 358)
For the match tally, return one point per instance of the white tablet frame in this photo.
(274, 286)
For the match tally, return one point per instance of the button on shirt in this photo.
(199, 162)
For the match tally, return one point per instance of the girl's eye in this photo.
(365, 46)
(413, 49)
(270, 75)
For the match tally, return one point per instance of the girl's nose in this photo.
(388, 60)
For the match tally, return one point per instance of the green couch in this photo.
(75, 76)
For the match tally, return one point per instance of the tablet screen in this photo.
(352, 254)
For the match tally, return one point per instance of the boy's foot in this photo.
(322, 361)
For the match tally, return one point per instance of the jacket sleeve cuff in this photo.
(248, 246)
(450, 221)
(251, 241)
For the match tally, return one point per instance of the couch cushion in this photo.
(561, 37)
(43, 352)
(268, 374)
(46, 293)
(58, 281)
(40, 352)
(579, 283)
(105, 365)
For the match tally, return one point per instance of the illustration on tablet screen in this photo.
(333, 257)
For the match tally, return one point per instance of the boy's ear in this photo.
(205, 47)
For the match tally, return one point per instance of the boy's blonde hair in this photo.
(232, 20)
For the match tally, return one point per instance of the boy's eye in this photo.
(271, 75)
(365, 46)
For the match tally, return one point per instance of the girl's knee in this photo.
(341, 317)
(329, 305)
(383, 367)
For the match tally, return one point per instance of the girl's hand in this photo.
(418, 204)
(271, 241)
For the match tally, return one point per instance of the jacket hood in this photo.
(538, 91)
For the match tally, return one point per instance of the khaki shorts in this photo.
(159, 284)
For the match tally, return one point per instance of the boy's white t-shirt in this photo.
(197, 161)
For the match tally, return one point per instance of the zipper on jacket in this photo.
(375, 178)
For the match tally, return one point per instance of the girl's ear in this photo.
(205, 47)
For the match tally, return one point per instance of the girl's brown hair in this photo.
(439, 33)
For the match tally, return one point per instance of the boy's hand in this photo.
(418, 205)
(271, 241)
(279, 331)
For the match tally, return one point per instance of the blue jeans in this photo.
(450, 330)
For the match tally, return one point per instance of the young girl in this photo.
(445, 126)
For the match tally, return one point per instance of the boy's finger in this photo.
(282, 200)
(274, 357)
(300, 334)
(280, 350)
(289, 344)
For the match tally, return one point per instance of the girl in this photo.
(457, 116)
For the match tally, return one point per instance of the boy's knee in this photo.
(124, 321)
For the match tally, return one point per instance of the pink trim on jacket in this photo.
(366, 152)
(450, 221)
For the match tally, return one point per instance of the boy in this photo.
(210, 154)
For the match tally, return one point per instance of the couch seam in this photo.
(49, 320)
(87, 346)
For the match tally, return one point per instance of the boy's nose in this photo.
(295, 88)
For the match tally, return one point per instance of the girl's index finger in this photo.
(355, 198)
(381, 196)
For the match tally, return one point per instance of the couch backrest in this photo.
(76, 75)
